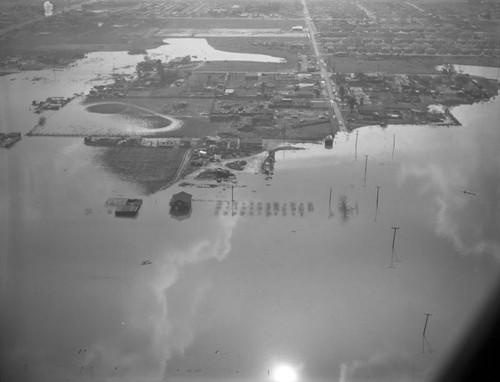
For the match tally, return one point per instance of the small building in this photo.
(180, 202)
(129, 209)
(186, 143)
(9, 139)
(329, 142)
(262, 118)
(251, 144)
(251, 76)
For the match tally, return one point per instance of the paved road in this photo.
(324, 72)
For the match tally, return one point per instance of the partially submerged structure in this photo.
(329, 142)
(9, 139)
(180, 203)
(129, 209)
(124, 207)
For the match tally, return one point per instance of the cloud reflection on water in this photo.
(380, 366)
(469, 162)
(176, 304)
(160, 323)
(129, 320)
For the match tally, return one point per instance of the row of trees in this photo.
(167, 76)
(352, 102)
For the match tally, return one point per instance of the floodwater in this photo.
(232, 293)
(200, 50)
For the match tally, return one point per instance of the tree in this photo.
(359, 76)
(341, 93)
(160, 70)
(448, 69)
(143, 67)
(338, 78)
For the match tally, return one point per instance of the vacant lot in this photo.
(407, 65)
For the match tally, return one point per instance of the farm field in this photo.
(244, 23)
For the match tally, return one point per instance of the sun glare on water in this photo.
(284, 373)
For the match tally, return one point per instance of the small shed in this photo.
(129, 208)
(180, 202)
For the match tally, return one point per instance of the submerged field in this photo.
(151, 169)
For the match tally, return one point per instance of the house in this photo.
(180, 202)
(186, 143)
(251, 144)
(251, 76)
(128, 209)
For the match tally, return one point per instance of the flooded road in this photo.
(233, 296)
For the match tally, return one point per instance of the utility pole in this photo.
(330, 212)
(393, 145)
(366, 166)
(54, 69)
(424, 338)
(376, 203)
(232, 200)
(356, 146)
(393, 256)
